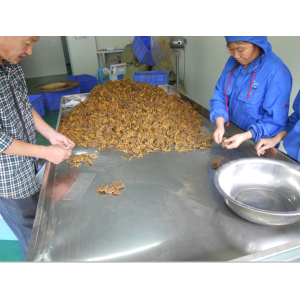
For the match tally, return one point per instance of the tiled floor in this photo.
(10, 251)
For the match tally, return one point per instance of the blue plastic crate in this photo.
(141, 47)
(52, 99)
(156, 77)
(37, 102)
(86, 82)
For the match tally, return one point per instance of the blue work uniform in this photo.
(291, 142)
(258, 96)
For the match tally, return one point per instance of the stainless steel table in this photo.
(170, 209)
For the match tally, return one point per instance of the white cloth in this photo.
(71, 103)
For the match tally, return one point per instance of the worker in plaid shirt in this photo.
(19, 189)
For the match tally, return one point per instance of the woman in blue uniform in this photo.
(253, 91)
(290, 135)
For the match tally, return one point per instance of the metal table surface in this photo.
(170, 209)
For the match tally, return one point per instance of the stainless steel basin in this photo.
(260, 190)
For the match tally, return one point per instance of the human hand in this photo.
(218, 134)
(59, 139)
(264, 144)
(234, 141)
(56, 153)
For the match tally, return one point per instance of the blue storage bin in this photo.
(37, 102)
(86, 82)
(156, 77)
(52, 99)
(141, 47)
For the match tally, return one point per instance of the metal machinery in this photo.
(115, 72)
(170, 209)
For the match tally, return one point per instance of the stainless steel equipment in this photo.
(263, 191)
(170, 209)
(176, 44)
(115, 70)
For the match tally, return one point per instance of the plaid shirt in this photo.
(17, 173)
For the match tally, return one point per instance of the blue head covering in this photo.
(261, 41)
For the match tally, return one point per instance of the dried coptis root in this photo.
(114, 188)
(136, 118)
(76, 160)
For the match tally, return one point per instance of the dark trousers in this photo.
(19, 215)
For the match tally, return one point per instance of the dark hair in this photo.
(238, 42)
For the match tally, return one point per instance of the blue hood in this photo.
(261, 41)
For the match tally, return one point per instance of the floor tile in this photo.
(10, 251)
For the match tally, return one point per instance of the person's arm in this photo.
(54, 137)
(267, 143)
(218, 110)
(236, 140)
(220, 130)
(275, 109)
(217, 102)
(54, 153)
(264, 144)
(293, 119)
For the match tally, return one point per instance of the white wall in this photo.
(47, 59)
(83, 55)
(205, 58)
(104, 42)
(48, 56)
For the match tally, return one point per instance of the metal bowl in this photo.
(260, 190)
